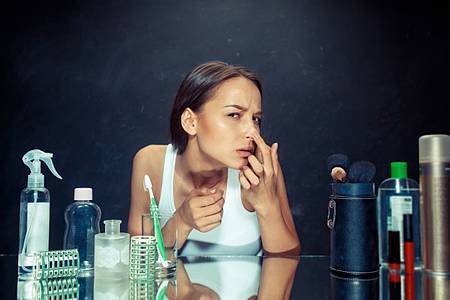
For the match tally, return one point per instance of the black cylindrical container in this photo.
(354, 288)
(352, 219)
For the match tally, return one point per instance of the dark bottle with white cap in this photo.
(82, 224)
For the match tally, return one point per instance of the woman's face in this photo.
(228, 121)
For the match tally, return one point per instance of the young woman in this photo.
(218, 178)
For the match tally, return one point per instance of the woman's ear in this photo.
(189, 121)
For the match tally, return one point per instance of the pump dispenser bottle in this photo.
(112, 252)
(82, 224)
(397, 207)
(34, 212)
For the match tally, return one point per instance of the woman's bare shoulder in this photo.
(150, 155)
(150, 160)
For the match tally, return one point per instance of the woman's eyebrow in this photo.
(242, 108)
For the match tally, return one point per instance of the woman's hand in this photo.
(259, 178)
(202, 209)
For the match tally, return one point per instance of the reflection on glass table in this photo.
(248, 277)
(236, 278)
(307, 277)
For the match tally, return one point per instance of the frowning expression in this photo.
(227, 122)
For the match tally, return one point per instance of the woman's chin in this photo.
(238, 164)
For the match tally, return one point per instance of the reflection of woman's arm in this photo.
(183, 283)
(277, 277)
(185, 289)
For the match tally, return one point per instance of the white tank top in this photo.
(238, 234)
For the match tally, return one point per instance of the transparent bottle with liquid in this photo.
(34, 224)
(82, 224)
(398, 201)
(34, 227)
(111, 260)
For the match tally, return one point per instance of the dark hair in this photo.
(196, 89)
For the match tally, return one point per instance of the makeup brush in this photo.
(337, 167)
(361, 171)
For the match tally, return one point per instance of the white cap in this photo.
(82, 194)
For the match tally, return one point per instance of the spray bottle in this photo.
(34, 211)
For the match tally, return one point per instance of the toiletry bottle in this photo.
(34, 212)
(82, 224)
(398, 196)
(434, 161)
(112, 252)
(106, 289)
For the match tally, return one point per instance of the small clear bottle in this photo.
(398, 196)
(112, 252)
(82, 224)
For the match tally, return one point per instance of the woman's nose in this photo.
(251, 130)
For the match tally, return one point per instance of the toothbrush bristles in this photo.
(148, 185)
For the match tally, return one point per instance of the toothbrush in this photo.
(162, 290)
(154, 212)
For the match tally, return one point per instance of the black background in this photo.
(93, 81)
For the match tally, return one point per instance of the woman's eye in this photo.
(234, 115)
(257, 120)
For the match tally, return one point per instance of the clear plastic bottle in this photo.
(112, 250)
(82, 224)
(34, 212)
(398, 196)
(34, 227)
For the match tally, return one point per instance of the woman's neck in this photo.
(197, 169)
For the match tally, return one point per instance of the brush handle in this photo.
(154, 211)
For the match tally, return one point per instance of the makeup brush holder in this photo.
(352, 220)
(354, 288)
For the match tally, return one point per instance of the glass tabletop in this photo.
(232, 277)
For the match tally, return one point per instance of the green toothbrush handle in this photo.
(158, 234)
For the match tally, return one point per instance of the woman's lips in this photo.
(244, 153)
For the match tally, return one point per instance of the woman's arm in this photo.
(264, 189)
(143, 162)
(277, 227)
(201, 210)
(183, 230)
(138, 203)
(147, 161)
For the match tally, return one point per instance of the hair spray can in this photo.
(434, 160)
